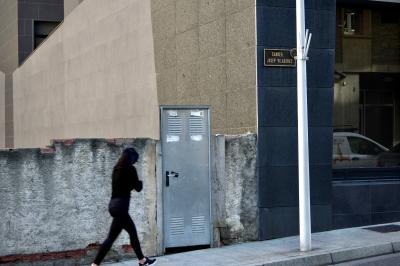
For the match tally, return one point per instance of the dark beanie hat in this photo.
(132, 155)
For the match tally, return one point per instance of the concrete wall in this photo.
(234, 189)
(205, 54)
(30, 11)
(70, 5)
(2, 110)
(93, 77)
(8, 58)
(56, 200)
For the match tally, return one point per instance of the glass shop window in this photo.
(366, 121)
(364, 147)
(366, 105)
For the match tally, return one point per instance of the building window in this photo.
(366, 110)
(352, 21)
(42, 29)
(367, 121)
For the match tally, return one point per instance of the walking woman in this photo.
(124, 180)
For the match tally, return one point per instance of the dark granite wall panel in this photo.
(277, 141)
(281, 144)
(351, 199)
(309, 4)
(276, 26)
(282, 187)
(277, 116)
(30, 10)
(274, 102)
(365, 203)
(350, 220)
(321, 184)
(284, 221)
(385, 198)
(320, 106)
(385, 217)
(273, 105)
(320, 145)
(320, 68)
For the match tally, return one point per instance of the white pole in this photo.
(302, 123)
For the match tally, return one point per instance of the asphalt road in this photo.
(386, 260)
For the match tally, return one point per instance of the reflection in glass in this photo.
(390, 158)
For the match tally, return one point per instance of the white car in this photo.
(352, 150)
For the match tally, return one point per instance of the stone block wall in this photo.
(205, 55)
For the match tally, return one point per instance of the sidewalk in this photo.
(328, 248)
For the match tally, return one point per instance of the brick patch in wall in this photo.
(66, 142)
(48, 256)
(119, 141)
(48, 150)
(127, 248)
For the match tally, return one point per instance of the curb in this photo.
(338, 256)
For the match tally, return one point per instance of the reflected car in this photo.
(352, 150)
(390, 158)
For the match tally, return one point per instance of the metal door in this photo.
(185, 139)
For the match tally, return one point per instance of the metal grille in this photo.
(196, 125)
(175, 125)
(177, 226)
(198, 224)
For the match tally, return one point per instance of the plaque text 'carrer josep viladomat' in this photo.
(279, 57)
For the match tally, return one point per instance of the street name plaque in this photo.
(279, 57)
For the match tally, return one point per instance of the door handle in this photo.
(167, 179)
(172, 174)
(169, 174)
(355, 159)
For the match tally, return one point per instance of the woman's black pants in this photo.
(121, 220)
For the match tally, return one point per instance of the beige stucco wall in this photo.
(94, 77)
(205, 54)
(2, 115)
(8, 62)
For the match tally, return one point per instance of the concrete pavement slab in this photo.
(396, 246)
(329, 247)
(361, 252)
